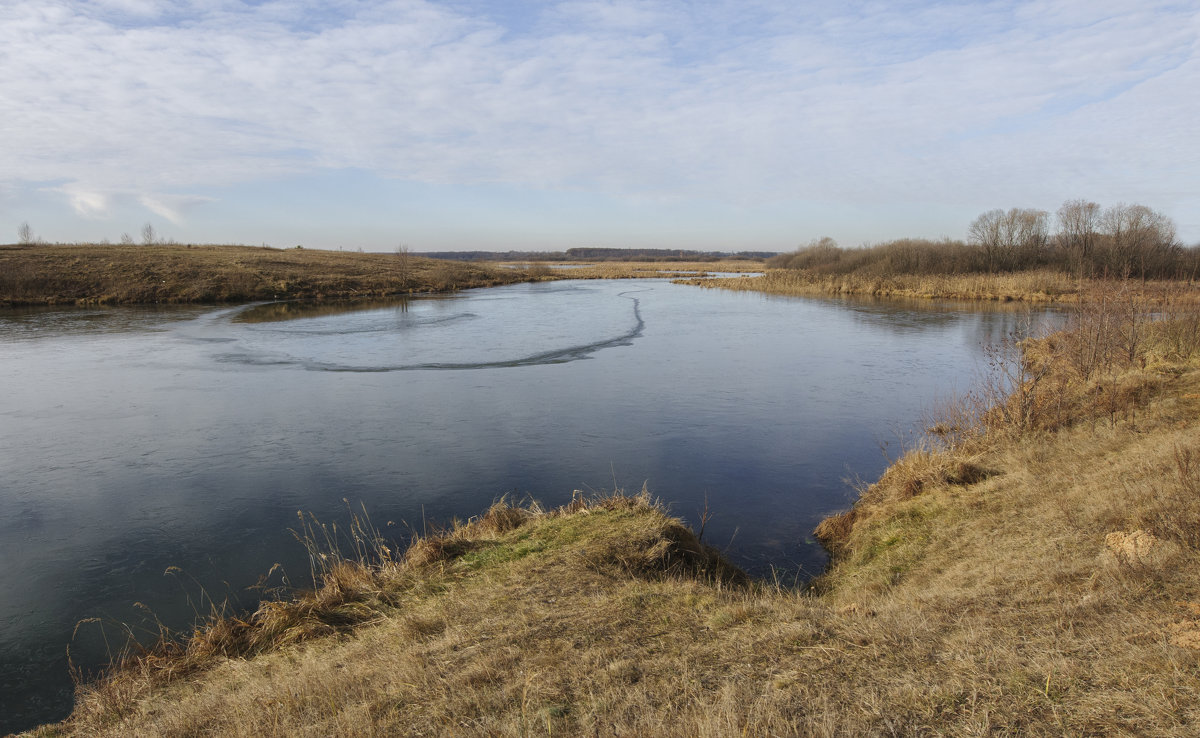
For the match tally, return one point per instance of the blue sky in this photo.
(754, 124)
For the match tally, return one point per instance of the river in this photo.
(136, 439)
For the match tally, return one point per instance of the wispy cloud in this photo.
(87, 203)
(979, 104)
(173, 207)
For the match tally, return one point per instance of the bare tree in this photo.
(1031, 236)
(987, 232)
(149, 237)
(1139, 241)
(1078, 224)
(126, 239)
(1010, 240)
(24, 234)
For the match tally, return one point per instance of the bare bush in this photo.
(538, 272)
(902, 256)
(404, 264)
(1013, 386)
(446, 275)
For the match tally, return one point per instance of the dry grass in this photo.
(122, 274)
(1044, 286)
(484, 568)
(1025, 571)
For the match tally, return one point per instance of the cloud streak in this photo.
(991, 104)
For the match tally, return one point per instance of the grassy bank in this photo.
(1040, 286)
(1030, 568)
(128, 274)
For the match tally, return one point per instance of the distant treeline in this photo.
(1086, 240)
(598, 254)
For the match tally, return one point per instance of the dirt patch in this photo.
(1137, 548)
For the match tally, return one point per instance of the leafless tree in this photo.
(1011, 239)
(1031, 236)
(1078, 225)
(149, 237)
(987, 232)
(126, 239)
(24, 234)
(1139, 241)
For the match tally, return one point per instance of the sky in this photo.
(546, 125)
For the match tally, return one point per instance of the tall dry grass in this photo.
(1038, 286)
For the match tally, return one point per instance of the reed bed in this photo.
(1041, 286)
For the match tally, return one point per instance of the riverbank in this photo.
(1030, 568)
(680, 270)
(1038, 287)
(105, 274)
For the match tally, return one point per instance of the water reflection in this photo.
(982, 323)
(32, 323)
(156, 439)
(274, 312)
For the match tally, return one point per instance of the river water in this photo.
(134, 440)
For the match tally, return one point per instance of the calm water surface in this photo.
(134, 440)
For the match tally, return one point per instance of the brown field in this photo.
(1031, 567)
(127, 274)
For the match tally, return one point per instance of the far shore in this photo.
(1042, 286)
(148, 274)
(105, 274)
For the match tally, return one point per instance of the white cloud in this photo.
(88, 203)
(986, 103)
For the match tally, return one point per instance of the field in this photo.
(90, 274)
(1029, 567)
(106, 274)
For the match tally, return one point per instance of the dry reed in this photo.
(1044, 286)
